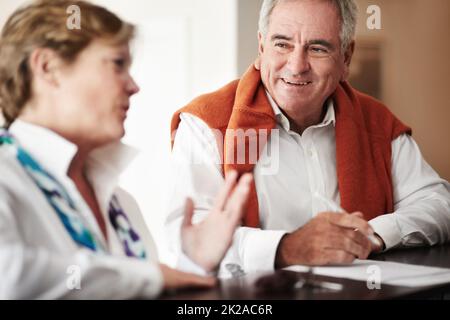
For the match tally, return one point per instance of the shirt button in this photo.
(310, 153)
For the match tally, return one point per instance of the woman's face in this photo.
(94, 93)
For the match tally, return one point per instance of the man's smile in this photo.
(296, 82)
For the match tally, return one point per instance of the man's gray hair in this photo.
(348, 11)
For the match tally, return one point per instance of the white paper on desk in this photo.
(391, 273)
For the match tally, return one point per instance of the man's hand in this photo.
(329, 238)
(207, 242)
(174, 279)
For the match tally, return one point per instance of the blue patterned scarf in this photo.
(64, 206)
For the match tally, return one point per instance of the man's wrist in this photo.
(280, 259)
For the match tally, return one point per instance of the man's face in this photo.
(301, 61)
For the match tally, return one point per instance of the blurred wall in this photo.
(248, 14)
(416, 70)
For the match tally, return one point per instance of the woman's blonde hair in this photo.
(44, 24)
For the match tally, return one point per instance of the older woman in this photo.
(66, 229)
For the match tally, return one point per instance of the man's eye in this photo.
(318, 50)
(282, 45)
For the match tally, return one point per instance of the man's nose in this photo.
(298, 62)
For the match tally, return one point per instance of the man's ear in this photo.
(257, 62)
(43, 63)
(347, 59)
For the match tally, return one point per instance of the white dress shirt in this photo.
(37, 252)
(306, 164)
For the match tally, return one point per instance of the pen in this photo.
(336, 208)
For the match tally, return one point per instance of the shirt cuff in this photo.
(386, 227)
(185, 264)
(260, 248)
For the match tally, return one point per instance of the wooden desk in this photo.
(244, 288)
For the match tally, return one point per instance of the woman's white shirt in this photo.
(38, 257)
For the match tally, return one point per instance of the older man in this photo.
(327, 140)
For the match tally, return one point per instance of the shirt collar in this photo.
(48, 148)
(55, 153)
(283, 121)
